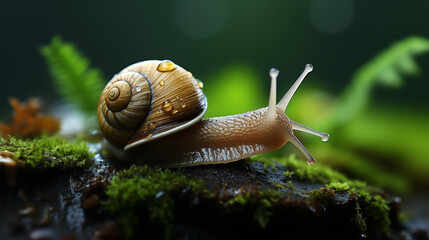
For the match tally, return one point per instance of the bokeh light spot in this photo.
(331, 16)
(200, 19)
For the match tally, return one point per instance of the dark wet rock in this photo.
(52, 200)
(67, 205)
(292, 217)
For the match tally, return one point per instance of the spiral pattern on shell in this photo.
(148, 100)
(123, 105)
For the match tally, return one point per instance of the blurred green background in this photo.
(231, 45)
(205, 37)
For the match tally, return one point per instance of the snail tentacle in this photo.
(271, 112)
(300, 127)
(289, 94)
(295, 141)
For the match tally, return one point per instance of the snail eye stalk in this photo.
(288, 96)
(271, 112)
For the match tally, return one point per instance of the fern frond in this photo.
(71, 72)
(387, 68)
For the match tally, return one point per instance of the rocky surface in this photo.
(70, 205)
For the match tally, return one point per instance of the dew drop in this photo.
(325, 137)
(200, 84)
(166, 66)
(167, 106)
(162, 83)
(138, 89)
(174, 111)
(183, 105)
(151, 126)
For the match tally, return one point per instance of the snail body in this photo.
(165, 104)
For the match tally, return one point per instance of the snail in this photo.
(152, 111)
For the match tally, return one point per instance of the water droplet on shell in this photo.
(167, 106)
(174, 111)
(162, 83)
(138, 89)
(200, 84)
(166, 66)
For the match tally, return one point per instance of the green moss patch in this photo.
(314, 173)
(47, 152)
(141, 194)
(260, 202)
(371, 206)
(147, 202)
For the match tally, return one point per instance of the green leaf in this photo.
(75, 80)
(387, 69)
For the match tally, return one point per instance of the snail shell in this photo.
(149, 100)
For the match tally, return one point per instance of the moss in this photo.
(358, 220)
(288, 185)
(47, 152)
(260, 202)
(373, 207)
(313, 173)
(322, 194)
(376, 210)
(288, 173)
(141, 194)
(338, 186)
